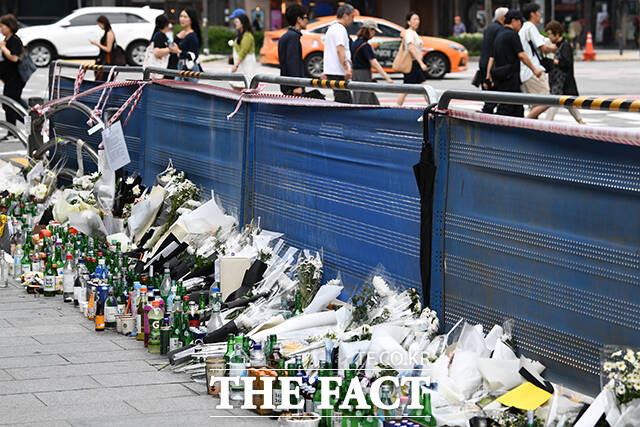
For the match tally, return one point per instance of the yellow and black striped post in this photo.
(333, 84)
(190, 74)
(611, 104)
(92, 66)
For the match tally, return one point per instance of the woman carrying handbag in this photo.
(363, 59)
(411, 50)
(110, 52)
(160, 48)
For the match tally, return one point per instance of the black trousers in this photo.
(13, 89)
(343, 96)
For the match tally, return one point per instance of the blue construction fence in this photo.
(534, 226)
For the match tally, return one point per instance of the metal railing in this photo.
(14, 105)
(415, 89)
(200, 75)
(583, 102)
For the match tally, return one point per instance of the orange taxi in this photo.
(440, 55)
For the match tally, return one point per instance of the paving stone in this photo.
(28, 350)
(47, 384)
(43, 313)
(27, 362)
(81, 335)
(202, 418)
(128, 343)
(137, 378)
(115, 410)
(13, 341)
(196, 388)
(111, 356)
(4, 376)
(13, 402)
(56, 423)
(21, 331)
(183, 404)
(80, 369)
(165, 391)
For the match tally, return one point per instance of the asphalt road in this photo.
(601, 78)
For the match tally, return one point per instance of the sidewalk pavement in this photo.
(56, 370)
(611, 55)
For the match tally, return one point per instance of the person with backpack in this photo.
(11, 48)
(363, 58)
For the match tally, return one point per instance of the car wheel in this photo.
(314, 65)
(437, 65)
(136, 52)
(41, 54)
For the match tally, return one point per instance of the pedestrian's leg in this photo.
(536, 111)
(13, 90)
(576, 115)
(401, 98)
(551, 114)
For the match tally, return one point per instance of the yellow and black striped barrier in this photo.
(190, 74)
(333, 84)
(611, 104)
(92, 67)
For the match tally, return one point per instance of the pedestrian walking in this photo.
(337, 52)
(290, 48)
(363, 59)
(488, 38)
(561, 78)
(534, 46)
(413, 45)
(11, 48)
(188, 41)
(458, 26)
(160, 47)
(503, 69)
(244, 50)
(575, 30)
(257, 22)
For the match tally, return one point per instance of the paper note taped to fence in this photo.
(526, 396)
(115, 147)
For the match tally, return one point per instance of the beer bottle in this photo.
(110, 309)
(297, 310)
(187, 337)
(194, 317)
(231, 339)
(142, 302)
(277, 387)
(68, 279)
(174, 339)
(275, 357)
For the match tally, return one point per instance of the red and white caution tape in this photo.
(97, 111)
(242, 94)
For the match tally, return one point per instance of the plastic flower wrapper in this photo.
(88, 222)
(105, 186)
(325, 295)
(143, 213)
(463, 370)
(309, 275)
(85, 182)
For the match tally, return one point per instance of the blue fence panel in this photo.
(341, 179)
(542, 228)
(192, 130)
(74, 123)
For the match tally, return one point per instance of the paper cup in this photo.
(83, 308)
(127, 324)
(215, 368)
(119, 323)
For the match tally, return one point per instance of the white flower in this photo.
(617, 353)
(609, 385)
(629, 357)
(130, 180)
(136, 190)
(621, 366)
(621, 389)
(39, 191)
(608, 366)
(381, 287)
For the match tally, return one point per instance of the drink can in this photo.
(165, 333)
(214, 368)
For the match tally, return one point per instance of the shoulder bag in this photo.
(26, 67)
(403, 61)
(547, 63)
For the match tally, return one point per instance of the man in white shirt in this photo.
(529, 35)
(337, 54)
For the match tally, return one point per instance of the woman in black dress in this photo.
(413, 45)
(106, 45)
(11, 48)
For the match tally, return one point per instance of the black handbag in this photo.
(547, 63)
(478, 79)
(502, 72)
(26, 67)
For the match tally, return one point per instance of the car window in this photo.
(388, 31)
(87, 19)
(353, 28)
(116, 18)
(134, 19)
(320, 30)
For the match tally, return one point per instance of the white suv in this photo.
(70, 36)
